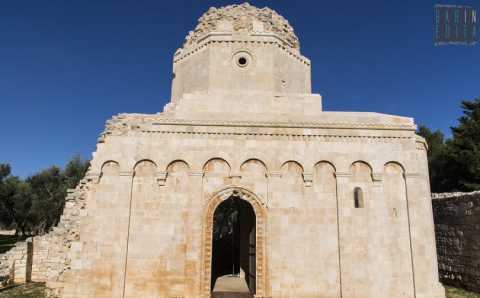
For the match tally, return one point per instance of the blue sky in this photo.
(68, 66)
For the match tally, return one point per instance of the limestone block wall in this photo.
(147, 228)
(140, 223)
(457, 228)
(53, 251)
(13, 264)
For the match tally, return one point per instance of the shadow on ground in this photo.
(38, 290)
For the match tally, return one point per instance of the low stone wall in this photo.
(457, 230)
(13, 264)
(52, 251)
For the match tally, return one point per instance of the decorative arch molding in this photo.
(361, 162)
(260, 156)
(260, 227)
(395, 163)
(246, 163)
(145, 167)
(367, 168)
(219, 160)
(327, 162)
(291, 161)
(109, 168)
(174, 164)
(144, 160)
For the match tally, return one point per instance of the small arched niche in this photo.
(254, 167)
(324, 179)
(178, 175)
(394, 189)
(110, 168)
(394, 169)
(145, 168)
(292, 176)
(177, 167)
(361, 171)
(361, 183)
(291, 169)
(216, 166)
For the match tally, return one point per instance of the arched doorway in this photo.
(248, 202)
(233, 248)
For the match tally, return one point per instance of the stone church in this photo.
(244, 187)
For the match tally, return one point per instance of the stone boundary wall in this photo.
(457, 231)
(53, 251)
(13, 264)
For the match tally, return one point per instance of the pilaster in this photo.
(424, 254)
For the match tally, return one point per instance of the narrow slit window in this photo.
(358, 197)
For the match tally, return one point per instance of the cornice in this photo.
(322, 137)
(137, 125)
(421, 143)
(279, 124)
(209, 39)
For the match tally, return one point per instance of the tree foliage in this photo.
(455, 163)
(464, 147)
(34, 205)
(436, 156)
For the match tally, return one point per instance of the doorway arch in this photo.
(208, 223)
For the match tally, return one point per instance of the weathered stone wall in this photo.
(457, 229)
(52, 252)
(13, 263)
(148, 228)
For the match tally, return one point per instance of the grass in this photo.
(30, 290)
(459, 293)
(38, 290)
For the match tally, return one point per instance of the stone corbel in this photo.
(161, 178)
(235, 178)
(126, 173)
(196, 173)
(236, 175)
(308, 179)
(273, 174)
(377, 177)
(343, 174)
(412, 175)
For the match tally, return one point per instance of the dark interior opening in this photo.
(358, 197)
(233, 247)
(242, 61)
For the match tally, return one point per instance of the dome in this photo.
(243, 18)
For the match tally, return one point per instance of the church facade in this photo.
(243, 175)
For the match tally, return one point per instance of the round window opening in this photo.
(242, 61)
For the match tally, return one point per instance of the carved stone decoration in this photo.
(161, 178)
(243, 18)
(377, 177)
(308, 179)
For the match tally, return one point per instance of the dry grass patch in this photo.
(460, 293)
(30, 290)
